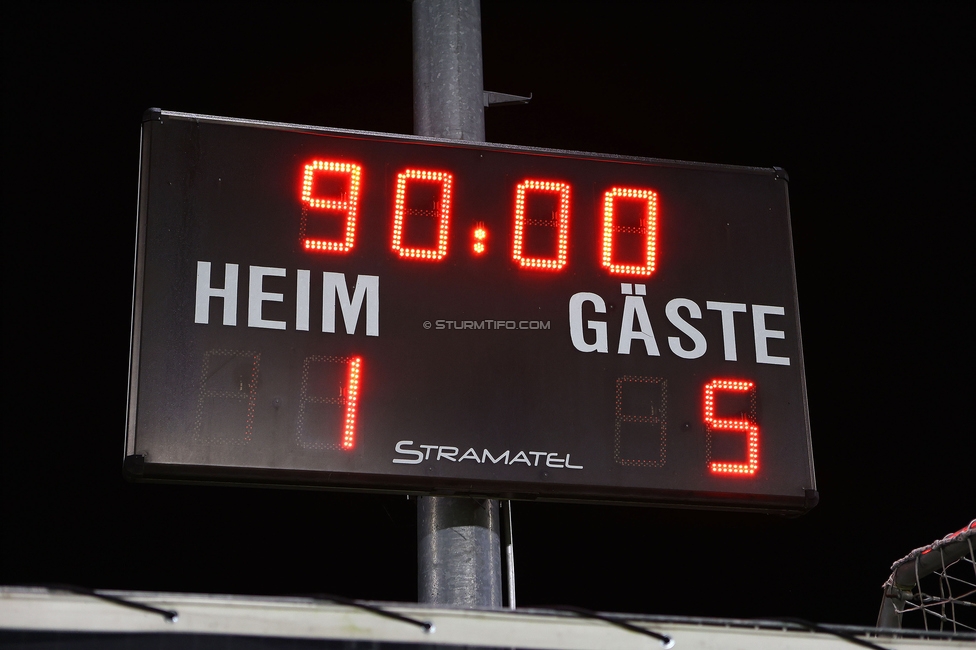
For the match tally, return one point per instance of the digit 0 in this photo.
(746, 425)
(346, 203)
(560, 222)
(441, 212)
(647, 227)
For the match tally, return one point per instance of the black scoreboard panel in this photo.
(318, 307)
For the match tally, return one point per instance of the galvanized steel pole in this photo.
(448, 81)
(458, 548)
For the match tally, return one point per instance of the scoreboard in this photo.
(319, 307)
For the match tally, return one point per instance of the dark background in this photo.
(869, 107)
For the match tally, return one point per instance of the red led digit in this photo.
(746, 425)
(647, 228)
(329, 384)
(442, 213)
(560, 221)
(347, 203)
(352, 401)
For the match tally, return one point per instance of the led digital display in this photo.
(327, 308)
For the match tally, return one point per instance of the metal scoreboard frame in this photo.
(326, 308)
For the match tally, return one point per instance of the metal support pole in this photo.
(458, 548)
(448, 80)
(507, 542)
(458, 553)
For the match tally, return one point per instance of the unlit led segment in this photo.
(443, 213)
(213, 362)
(352, 401)
(743, 425)
(348, 205)
(648, 228)
(252, 392)
(561, 224)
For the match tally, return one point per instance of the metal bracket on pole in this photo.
(504, 99)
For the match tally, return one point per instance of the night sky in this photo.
(868, 107)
